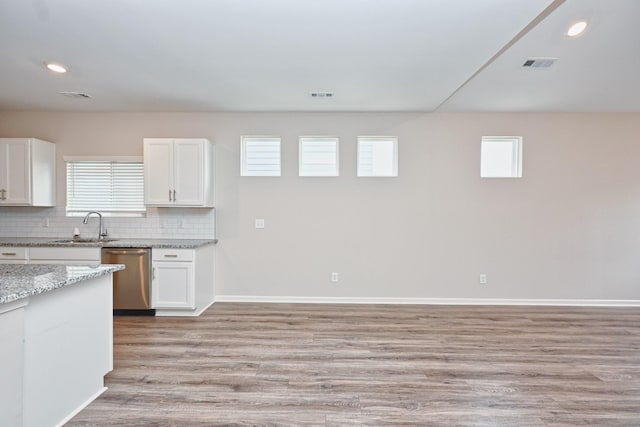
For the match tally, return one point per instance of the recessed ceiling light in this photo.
(57, 68)
(577, 29)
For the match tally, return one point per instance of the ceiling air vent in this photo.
(539, 62)
(321, 94)
(77, 95)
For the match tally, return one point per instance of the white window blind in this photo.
(318, 156)
(260, 156)
(501, 157)
(109, 187)
(377, 156)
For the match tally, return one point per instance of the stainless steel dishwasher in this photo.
(131, 286)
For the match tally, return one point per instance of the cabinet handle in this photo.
(169, 195)
(153, 273)
(126, 252)
(174, 195)
(9, 253)
(171, 256)
(2, 194)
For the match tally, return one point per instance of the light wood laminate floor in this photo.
(347, 365)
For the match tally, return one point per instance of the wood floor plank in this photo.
(398, 365)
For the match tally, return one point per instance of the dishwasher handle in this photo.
(139, 252)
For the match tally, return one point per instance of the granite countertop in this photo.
(18, 281)
(117, 243)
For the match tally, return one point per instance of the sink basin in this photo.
(83, 240)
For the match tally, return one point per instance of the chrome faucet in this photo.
(102, 233)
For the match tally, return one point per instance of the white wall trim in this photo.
(183, 313)
(103, 158)
(81, 407)
(432, 301)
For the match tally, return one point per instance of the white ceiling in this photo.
(268, 55)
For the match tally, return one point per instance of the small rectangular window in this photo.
(318, 156)
(501, 157)
(377, 156)
(111, 187)
(260, 156)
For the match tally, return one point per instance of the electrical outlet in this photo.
(334, 277)
(259, 223)
(483, 279)
(45, 223)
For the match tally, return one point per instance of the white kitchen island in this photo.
(56, 340)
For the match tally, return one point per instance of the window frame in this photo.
(394, 166)
(516, 155)
(104, 212)
(244, 172)
(302, 140)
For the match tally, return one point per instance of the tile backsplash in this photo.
(159, 223)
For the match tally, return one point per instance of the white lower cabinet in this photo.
(173, 285)
(49, 255)
(14, 255)
(173, 281)
(64, 255)
(182, 280)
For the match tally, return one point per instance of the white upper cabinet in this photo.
(178, 172)
(158, 171)
(27, 172)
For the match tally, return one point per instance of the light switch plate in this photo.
(259, 223)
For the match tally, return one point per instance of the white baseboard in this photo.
(81, 407)
(432, 301)
(202, 309)
(182, 313)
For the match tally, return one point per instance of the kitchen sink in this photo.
(83, 240)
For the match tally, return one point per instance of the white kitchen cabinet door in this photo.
(173, 285)
(14, 184)
(27, 172)
(158, 171)
(178, 172)
(189, 162)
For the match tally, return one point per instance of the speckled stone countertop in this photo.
(18, 281)
(117, 243)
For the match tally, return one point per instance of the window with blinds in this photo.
(318, 156)
(260, 156)
(501, 157)
(377, 156)
(114, 188)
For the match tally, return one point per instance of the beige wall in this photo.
(569, 229)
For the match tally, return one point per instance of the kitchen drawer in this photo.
(75, 254)
(172, 255)
(10, 253)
